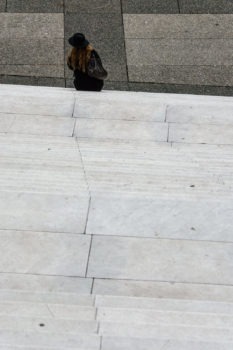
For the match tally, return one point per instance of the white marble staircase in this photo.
(115, 220)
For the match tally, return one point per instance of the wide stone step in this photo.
(133, 343)
(49, 340)
(162, 317)
(168, 332)
(167, 305)
(48, 311)
(21, 295)
(44, 253)
(46, 325)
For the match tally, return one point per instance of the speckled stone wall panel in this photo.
(93, 6)
(35, 6)
(2, 5)
(180, 49)
(150, 6)
(32, 45)
(206, 6)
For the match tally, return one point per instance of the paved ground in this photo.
(162, 46)
(115, 220)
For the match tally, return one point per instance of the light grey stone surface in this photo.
(90, 6)
(204, 26)
(50, 340)
(157, 317)
(29, 211)
(116, 303)
(206, 6)
(44, 253)
(18, 324)
(36, 125)
(21, 295)
(56, 71)
(124, 130)
(48, 182)
(37, 101)
(161, 218)
(201, 133)
(120, 343)
(168, 332)
(150, 6)
(45, 284)
(161, 260)
(201, 113)
(34, 6)
(170, 290)
(112, 107)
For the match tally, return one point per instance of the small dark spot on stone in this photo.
(42, 325)
(192, 185)
(217, 24)
(49, 149)
(193, 229)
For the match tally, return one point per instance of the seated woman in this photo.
(80, 61)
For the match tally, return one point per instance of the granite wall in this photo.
(149, 45)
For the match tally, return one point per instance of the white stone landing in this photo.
(115, 220)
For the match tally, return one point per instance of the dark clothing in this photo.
(83, 82)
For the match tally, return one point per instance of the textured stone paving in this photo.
(152, 45)
(115, 220)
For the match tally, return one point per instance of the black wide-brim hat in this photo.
(78, 40)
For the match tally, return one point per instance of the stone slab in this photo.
(2, 5)
(161, 260)
(32, 81)
(27, 51)
(181, 89)
(36, 125)
(45, 284)
(150, 6)
(19, 295)
(44, 253)
(207, 6)
(120, 343)
(34, 25)
(201, 113)
(90, 6)
(19, 324)
(56, 71)
(107, 26)
(161, 218)
(58, 104)
(183, 74)
(43, 212)
(117, 303)
(34, 6)
(185, 291)
(49, 340)
(201, 133)
(168, 332)
(203, 26)
(162, 317)
(111, 107)
(130, 130)
(173, 52)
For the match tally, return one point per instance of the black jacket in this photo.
(83, 82)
